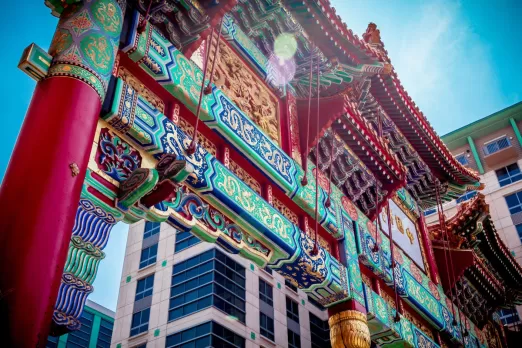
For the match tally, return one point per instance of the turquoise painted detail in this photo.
(385, 332)
(242, 43)
(475, 155)
(95, 331)
(516, 130)
(183, 79)
(289, 248)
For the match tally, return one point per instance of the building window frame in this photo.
(266, 292)
(292, 309)
(205, 333)
(495, 145)
(105, 334)
(84, 334)
(467, 196)
(140, 322)
(144, 287)
(266, 326)
(149, 256)
(208, 279)
(462, 158)
(510, 202)
(512, 174)
(151, 228)
(185, 240)
(294, 339)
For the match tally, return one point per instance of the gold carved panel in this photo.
(245, 177)
(283, 209)
(139, 87)
(202, 140)
(246, 90)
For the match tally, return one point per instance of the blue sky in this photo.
(460, 61)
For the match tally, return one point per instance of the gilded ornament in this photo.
(143, 91)
(108, 16)
(349, 329)
(74, 169)
(247, 178)
(61, 41)
(99, 52)
(247, 91)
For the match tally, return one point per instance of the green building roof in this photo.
(483, 126)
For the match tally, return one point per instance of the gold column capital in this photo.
(349, 329)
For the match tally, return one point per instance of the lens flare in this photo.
(285, 46)
(281, 71)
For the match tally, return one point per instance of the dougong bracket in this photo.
(148, 187)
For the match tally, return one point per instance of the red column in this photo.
(41, 189)
(39, 197)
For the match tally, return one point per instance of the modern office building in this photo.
(95, 331)
(177, 289)
(492, 146)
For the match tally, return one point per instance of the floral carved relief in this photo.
(139, 87)
(246, 90)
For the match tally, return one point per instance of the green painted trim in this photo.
(475, 155)
(95, 331)
(488, 124)
(98, 314)
(62, 342)
(515, 128)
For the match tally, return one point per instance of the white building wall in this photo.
(160, 328)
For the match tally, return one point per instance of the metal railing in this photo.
(496, 146)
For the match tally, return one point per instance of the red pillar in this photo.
(41, 189)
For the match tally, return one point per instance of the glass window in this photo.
(81, 337)
(144, 287)
(208, 279)
(52, 342)
(185, 240)
(430, 211)
(508, 175)
(320, 332)
(151, 228)
(316, 304)
(496, 145)
(266, 326)
(148, 256)
(462, 159)
(514, 202)
(294, 341)
(508, 316)
(265, 292)
(140, 322)
(519, 231)
(467, 196)
(209, 334)
(267, 270)
(290, 285)
(292, 310)
(105, 334)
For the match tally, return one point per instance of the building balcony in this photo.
(502, 155)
